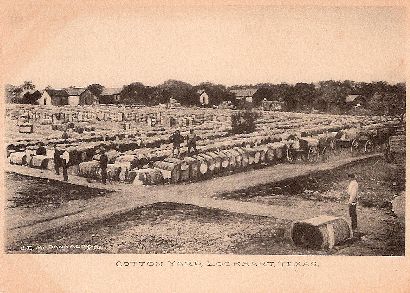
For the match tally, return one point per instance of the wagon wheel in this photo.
(368, 146)
(313, 154)
(354, 147)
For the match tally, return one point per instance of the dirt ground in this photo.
(178, 228)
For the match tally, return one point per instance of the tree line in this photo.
(329, 96)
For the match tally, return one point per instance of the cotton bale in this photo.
(147, 176)
(216, 160)
(193, 167)
(209, 161)
(170, 171)
(90, 169)
(244, 156)
(202, 164)
(39, 162)
(18, 158)
(225, 159)
(322, 232)
(132, 160)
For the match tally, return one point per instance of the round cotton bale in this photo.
(270, 154)
(18, 158)
(217, 161)
(39, 161)
(113, 172)
(169, 170)
(257, 157)
(89, 169)
(209, 161)
(244, 157)
(203, 165)
(193, 167)
(225, 159)
(237, 158)
(322, 232)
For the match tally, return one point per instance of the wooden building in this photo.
(110, 96)
(74, 95)
(88, 98)
(53, 97)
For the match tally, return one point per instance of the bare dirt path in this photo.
(126, 198)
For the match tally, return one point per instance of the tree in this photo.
(135, 93)
(96, 89)
(305, 94)
(22, 93)
(181, 91)
(217, 93)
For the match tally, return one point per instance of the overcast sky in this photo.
(229, 46)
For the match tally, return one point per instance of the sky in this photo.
(233, 45)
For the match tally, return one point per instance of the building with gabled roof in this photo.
(53, 97)
(245, 94)
(203, 97)
(74, 95)
(110, 95)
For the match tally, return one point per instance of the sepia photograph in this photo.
(234, 130)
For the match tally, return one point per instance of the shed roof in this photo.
(111, 91)
(241, 93)
(74, 91)
(56, 93)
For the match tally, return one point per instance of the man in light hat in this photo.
(352, 191)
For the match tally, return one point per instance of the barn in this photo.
(88, 98)
(110, 95)
(53, 97)
(244, 97)
(74, 95)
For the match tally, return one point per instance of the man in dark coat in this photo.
(176, 139)
(192, 138)
(41, 150)
(103, 166)
(57, 159)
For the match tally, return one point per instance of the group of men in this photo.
(177, 139)
(62, 160)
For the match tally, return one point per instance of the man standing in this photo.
(57, 159)
(65, 160)
(192, 138)
(176, 140)
(103, 165)
(41, 150)
(352, 191)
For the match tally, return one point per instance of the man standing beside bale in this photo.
(57, 159)
(176, 139)
(192, 138)
(352, 191)
(65, 160)
(103, 166)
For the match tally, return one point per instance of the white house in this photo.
(203, 98)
